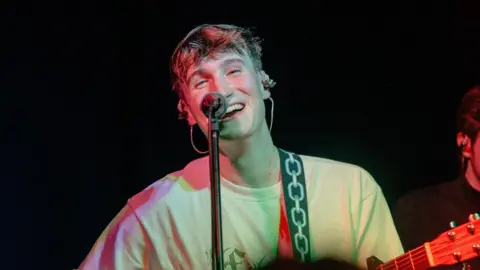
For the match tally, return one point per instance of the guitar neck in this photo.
(459, 244)
(417, 259)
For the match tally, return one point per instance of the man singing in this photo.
(274, 203)
(424, 214)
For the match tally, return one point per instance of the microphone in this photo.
(214, 102)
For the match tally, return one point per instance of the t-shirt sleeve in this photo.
(121, 246)
(376, 232)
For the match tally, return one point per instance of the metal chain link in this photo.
(296, 192)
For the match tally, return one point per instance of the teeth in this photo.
(234, 107)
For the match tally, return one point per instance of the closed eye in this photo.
(233, 72)
(199, 84)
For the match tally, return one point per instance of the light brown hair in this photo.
(208, 41)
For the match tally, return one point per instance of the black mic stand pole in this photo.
(216, 204)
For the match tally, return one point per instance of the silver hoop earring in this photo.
(193, 144)
(271, 113)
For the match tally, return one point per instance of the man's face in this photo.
(474, 155)
(471, 152)
(236, 78)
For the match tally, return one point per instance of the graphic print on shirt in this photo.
(235, 259)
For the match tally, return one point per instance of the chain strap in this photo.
(296, 206)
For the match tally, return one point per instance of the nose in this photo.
(222, 86)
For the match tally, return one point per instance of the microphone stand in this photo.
(216, 204)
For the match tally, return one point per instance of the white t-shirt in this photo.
(167, 225)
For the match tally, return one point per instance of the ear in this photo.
(185, 112)
(265, 91)
(465, 144)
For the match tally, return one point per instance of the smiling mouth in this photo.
(232, 110)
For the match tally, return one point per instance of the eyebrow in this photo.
(232, 61)
(226, 62)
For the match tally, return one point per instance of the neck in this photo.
(252, 162)
(472, 178)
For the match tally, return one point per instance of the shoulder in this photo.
(337, 170)
(334, 166)
(142, 214)
(192, 178)
(335, 174)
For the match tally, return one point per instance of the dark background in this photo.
(90, 119)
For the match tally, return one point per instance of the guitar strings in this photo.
(414, 255)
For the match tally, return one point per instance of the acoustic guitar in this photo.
(457, 245)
